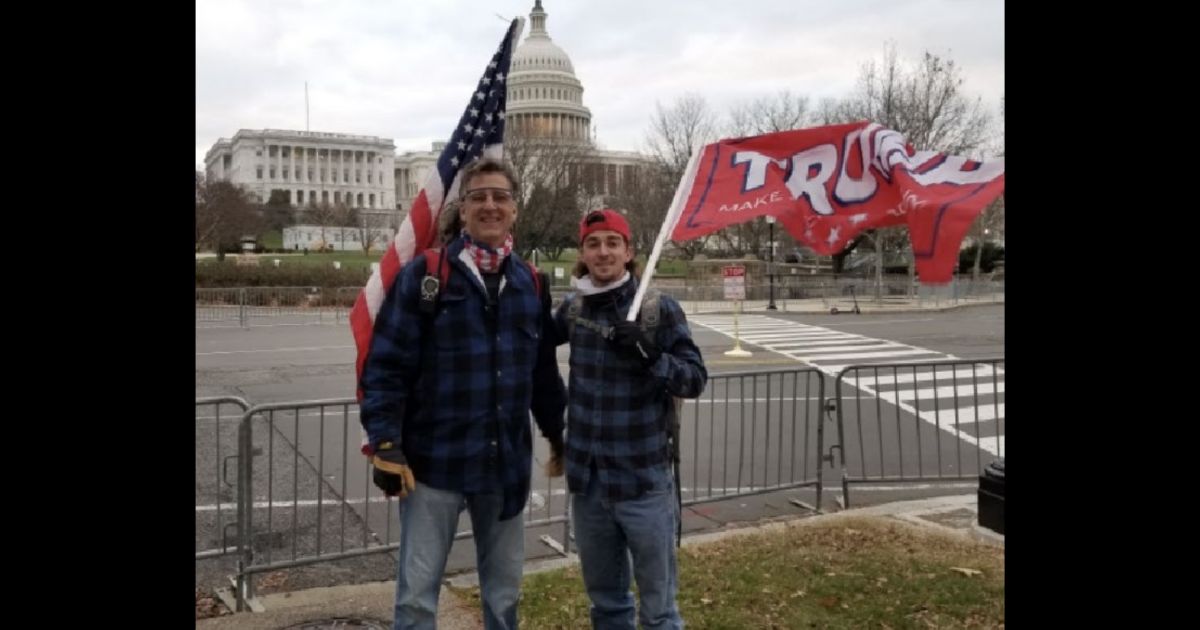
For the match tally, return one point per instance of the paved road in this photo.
(745, 434)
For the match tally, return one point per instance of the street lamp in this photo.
(771, 265)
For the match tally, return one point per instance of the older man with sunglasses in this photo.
(458, 360)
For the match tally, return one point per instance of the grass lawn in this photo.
(850, 572)
(356, 259)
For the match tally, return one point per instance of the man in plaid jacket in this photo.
(450, 379)
(618, 459)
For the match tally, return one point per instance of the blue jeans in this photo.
(428, 518)
(608, 533)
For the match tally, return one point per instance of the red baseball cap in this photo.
(605, 219)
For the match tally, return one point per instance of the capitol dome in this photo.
(545, 99)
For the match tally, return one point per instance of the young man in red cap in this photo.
(618, 459)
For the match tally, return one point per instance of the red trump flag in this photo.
(828, 184)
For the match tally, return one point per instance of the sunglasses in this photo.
(480, 195)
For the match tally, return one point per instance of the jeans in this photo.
(608, 533)
(428, 518)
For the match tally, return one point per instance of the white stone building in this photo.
(308, 166)
(317, 238)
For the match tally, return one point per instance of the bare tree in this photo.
(832, 111)
(370, 228)
(323, 215)
(678, 131)
(278, 213)
(750, 237)
(346, 219)
(551, 196)
(643, 196)
(782, 112)
(989, 222)
(224, 215)
(924, 101)
(675, 133)
(201, 219)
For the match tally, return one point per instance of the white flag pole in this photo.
(673, 213)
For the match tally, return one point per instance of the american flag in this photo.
(480, 132)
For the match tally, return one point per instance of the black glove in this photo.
(392, 474)
(632, 342)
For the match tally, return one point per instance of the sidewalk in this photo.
(896, 304)
(370, 605)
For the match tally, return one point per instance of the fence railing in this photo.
(751, 433)
(244, 305)
(303, 492)
(217, 420)
(919, 422)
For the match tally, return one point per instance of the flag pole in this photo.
(673, 213)
(737, 337)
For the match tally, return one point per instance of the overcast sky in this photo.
(404, 69)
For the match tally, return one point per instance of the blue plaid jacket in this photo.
(616, 415)
(456, 389)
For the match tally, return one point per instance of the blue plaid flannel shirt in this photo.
(616, 422)
(457, 391)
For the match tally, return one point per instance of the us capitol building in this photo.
(545, 104)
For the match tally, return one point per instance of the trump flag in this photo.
(828, 184)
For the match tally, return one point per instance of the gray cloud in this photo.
(403, 70)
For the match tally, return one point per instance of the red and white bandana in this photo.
(487, 259)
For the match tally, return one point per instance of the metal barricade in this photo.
(217, 420)
(918, 422)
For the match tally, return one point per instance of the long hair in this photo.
(449, 221)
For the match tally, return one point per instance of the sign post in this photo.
(735, 289)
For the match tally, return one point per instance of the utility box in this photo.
(991, 497)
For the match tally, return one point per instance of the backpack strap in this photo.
(574, 308)
(650, 313)
(651, 316)
(437, 274)
(537, 278)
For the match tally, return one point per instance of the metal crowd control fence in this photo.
(304, 492)
(221, 305)
(751, 433)
(283, 304)
(332, 305)
(307, 494)
(919, 422)
(217, 420)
